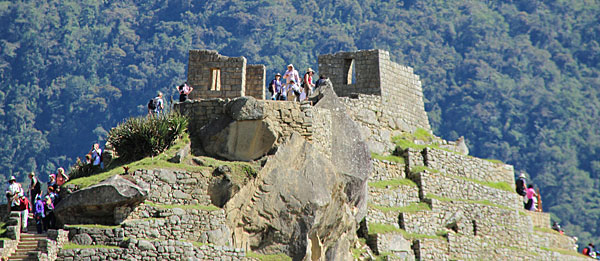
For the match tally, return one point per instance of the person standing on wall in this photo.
(275, 87)
(96, 153)
(530, 195)
(184, 90)
(292, 79)
(307, 84)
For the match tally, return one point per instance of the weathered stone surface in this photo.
(349, 152)
(245, 108)
(82, 239)
(292, 201)
(243, 140)
(97, 204)
(181, 154)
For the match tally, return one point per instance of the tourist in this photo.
(49, 219)
(156, 105)
(184, 90)
(34, 186)
(530, 195)
(24, 207)
(61, 177)
(38, 214)
(53, 196)
(521, 184)
(292, 79)
(320, 81)
(11, 194)
(52, 182)
(293, 91)
(275, 87)
(96, 153)
(307, 84)
(589, 250)
(556, 227)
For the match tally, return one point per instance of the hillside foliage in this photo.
(518, 78)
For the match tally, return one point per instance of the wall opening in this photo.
(215, 79)
(349, 71)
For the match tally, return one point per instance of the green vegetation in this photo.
(546, 230)
(414, 207)
(565, 252)
(143, 136)
(391, 158)
(521, 250)
(198, 207)
(376, 228)
(70, 245)
(481, 202)
(272, 257)
(3, 226)
(517, 78)
(392, 183)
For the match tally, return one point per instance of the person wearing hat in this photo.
(307, 84)
(35, 187)
(275, 87)
(521, 185)
(11, 193)
(293, 79)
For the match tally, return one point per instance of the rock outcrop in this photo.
(107, 203)
(297, 205)
(241, 134)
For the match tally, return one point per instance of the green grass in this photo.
(3, 226)
(521, 250)
(390, 158)
(271, 257)
(546, 230)
(240, 171)
(442, 233)
(76, 246)
(185, 207)
(565, 252)
(94, 226)
(376, 228)
(480, 202)
(392, 183)
(419, 169)
(494, 161)
(414, 207)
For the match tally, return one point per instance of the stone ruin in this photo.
(433, 204)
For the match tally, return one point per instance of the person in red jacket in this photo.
(24, 207)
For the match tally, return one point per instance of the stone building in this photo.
(383, 96)
(216, 76)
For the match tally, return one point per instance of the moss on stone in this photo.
(414, 207)
(271, 257)
(70, 245)
(391, 158)
(565, 252)
(392, 183)
(377, 228)
(480, 202)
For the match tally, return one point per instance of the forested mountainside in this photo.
(519, 79)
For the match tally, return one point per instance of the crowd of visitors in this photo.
(294, 88)
(43, 203)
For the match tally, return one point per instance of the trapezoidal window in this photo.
(349, 71)
(215, 79)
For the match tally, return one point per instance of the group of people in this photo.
(43, 204)
(156, 105)
(294, 88)
(531, 200)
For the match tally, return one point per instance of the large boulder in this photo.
(349, 151)
(297, 205)
(104, 203)
(242, 134)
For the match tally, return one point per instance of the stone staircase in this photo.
(28, 243)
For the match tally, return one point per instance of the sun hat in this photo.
(12, 178)
(278, 74)
(522, 175)
(290, 65)
(309, 70)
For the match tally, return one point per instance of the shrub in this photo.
(81, 169)
(141, 137)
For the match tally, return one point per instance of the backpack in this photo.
(152, 104)
(586, 251)
(303, 82)
(271, 86)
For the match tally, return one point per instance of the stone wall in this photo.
(174, 187)
(467, 166)
(338, 68)
(386, 170)
(232, 76)
(285, 117)
(95, 235)
(205, 225)
(255, 81)
(155, 250)
(539, 219)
